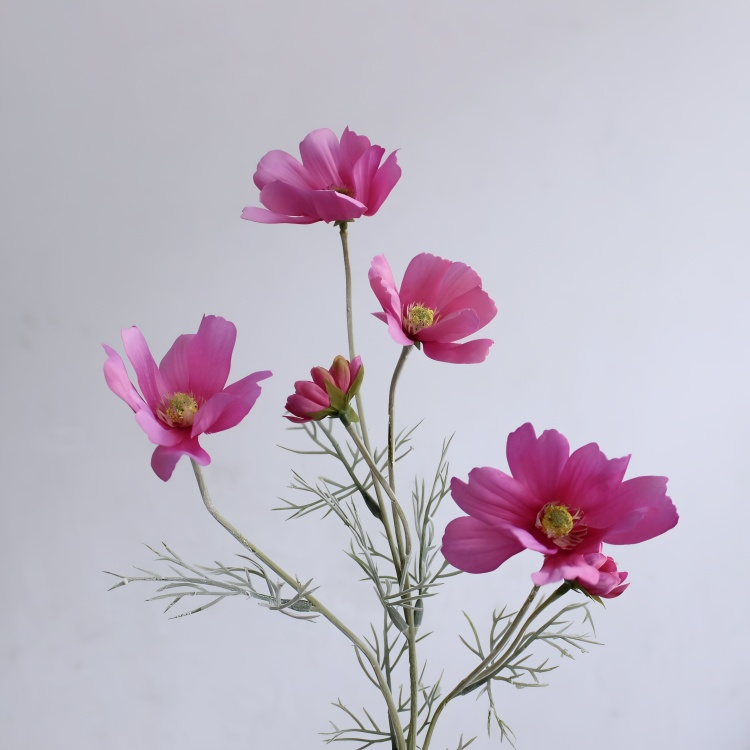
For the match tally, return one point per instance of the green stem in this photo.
(316, 604)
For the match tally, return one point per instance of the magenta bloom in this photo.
(439, 303)
(328, 394)
(564, 506)
(185, 395)
(336, 181)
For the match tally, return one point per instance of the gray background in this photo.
(589, 159)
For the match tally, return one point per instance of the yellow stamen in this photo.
(418, 317)
(179, 410)
(559, 524)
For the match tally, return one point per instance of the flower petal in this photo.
(476, 547)
(471, 352)
(451, 328)
(423, 279)
(384, 181)
(164, 459)
(263, 216)
(645, 511)
(333, 206)
(175, 366)
(152, 383)
(537, 462)
(158, 432)
(210, 355)
(589, 479)
(568, 567)
(320, 157)
(282, 167)
(228, 408)
(118, 381)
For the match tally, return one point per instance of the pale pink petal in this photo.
(333, 206)
(228, 408)
(455, 326)
(494, 497)
(152, 383)
(210, 356)
(477, 300)
(282, 198)
(118, 381)
(164, 459)
(645, 511)
(568, 567)
(589, 478)
(175, 366)
(472, 352)
(351, 149)
(470, 545)
(320, 157)
(384, 181)
(363, 173)
(158, 432)
(320, 376)
(262, 216)
(537, 462)
(422, 280)
(280, 166)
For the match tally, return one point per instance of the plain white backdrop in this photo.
(589, 159)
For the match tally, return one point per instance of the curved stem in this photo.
(391, 410)
(316, 604)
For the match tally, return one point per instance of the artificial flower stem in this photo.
(344, 234)
(379, 478)
(391, 429)
(316, 604)
(473, 675)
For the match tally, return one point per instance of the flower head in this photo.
(439, 302)
(185, 395)
(328, 394)
(338, 180)
(560, 504)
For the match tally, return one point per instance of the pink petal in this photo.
(210, 355)
(384, 181)
(472, 352)
(537, 462)
(384, 286)
(589, 479)
(158, 432)
(568, 567)
(118, 381)
(282, 198)
(333, 206)
(175, 366)
(320, 158)
(454, 327)
(477, 300)
(364, 171)
(422, 280)
(458, 280)
(494, 498)
(470, 545)
(645, 511)
(164, 459)
(351, 149)
(262, 216)
(228, 408)
(152, 383)
(283, 167)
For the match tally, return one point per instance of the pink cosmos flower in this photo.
(338, 180)
(329, 393)
(185, 395)
(439, 302)
(564, 506)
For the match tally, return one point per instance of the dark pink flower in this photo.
(338, 180)
(185, 395)
(609, 584)
(328, 394)
(439, 302)
(564, 506)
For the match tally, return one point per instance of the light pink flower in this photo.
(328, 394)
(336, 181)
(439, 302)
(564, 506)
(185, 395)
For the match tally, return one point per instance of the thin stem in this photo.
(379, 478)
(471, 676)
(391, 412)
(316, 604)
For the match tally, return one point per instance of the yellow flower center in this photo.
(342, 189)
(560, 524)
(418, 317)
(179, 410)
